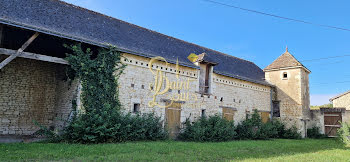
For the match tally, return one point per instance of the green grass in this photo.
(271, 150)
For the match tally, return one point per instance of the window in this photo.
(285, 75)
(203, 113)
(276, 109)
(136, 108)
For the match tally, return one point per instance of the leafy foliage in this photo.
(102, 120)
(213, 128)
(98, 77)
(115, 128)
(344, 133)
(217, 129)
(314, 132)
(254, 128)
(315, 107)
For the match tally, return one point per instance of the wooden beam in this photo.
(24, 46)
(1, 34)
(34, 56)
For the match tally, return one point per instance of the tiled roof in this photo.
(286, 60)
(68, 21)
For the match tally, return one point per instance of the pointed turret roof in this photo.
(286, 60)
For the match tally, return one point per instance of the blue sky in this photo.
(250, 36)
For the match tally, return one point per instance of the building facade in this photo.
(159, 77)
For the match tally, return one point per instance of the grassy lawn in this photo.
(271, 150)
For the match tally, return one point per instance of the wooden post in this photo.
(1, 33)
(19, 51)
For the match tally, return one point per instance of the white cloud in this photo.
(320, 99)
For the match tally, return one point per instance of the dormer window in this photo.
(206, 68)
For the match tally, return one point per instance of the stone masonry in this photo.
(31, 91)
(342, 101)
(240, 95)
(291, 79)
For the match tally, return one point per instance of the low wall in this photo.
(317, 117)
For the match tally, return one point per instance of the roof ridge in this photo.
(98, 13)
(279, 60)
(340, 95)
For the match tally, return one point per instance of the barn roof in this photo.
(65, 20)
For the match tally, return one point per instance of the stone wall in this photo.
(316, 119)
(32, 90)
(293, 94)
(227, 92)
(343, 101)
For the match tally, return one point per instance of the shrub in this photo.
(314, 132)
(115, 128)
(344, 134)
(213, 128)
(254, 128)
(291, 133)
(251, 128)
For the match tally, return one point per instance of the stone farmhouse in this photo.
(34, 86)
(342, 100)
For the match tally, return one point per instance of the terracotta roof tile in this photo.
(286, 60)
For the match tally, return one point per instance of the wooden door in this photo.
(173, 119)
(265, 116)
(228, 114)
(332, 122)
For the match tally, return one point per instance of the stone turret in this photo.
(292, 98)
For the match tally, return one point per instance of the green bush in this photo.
(92, 128)
(254, 128)
(344, 133)
(291, 133)
(213, 128)
(314, 132)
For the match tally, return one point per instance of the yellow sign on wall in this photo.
(161, 80)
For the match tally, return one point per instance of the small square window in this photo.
(285, 75)
(143, 87)
(136, 108)
(132, 85)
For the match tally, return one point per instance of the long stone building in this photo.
(33, 84)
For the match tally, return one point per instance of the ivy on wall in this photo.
(98, 77)
(102, 120)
